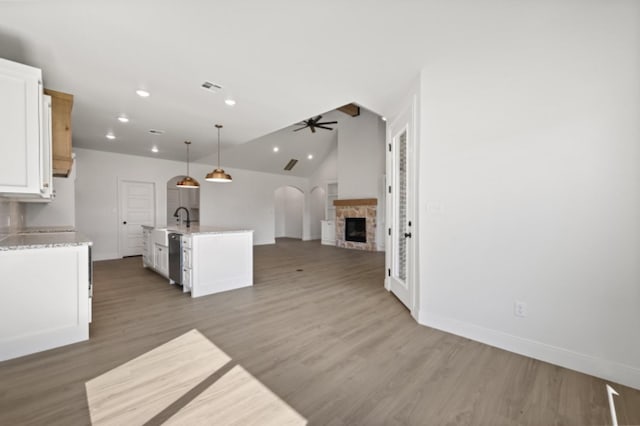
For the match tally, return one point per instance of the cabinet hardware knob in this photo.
(407, 234)
(124, 222)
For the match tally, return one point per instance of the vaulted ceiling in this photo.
(282, 61)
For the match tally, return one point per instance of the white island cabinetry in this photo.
(212, 259)
(187, 263)
(217, 260)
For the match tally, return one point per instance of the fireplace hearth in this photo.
(355, 229)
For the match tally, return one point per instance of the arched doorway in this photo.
(182, 197)
(288, 209)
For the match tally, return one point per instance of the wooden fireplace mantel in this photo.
(356, 202)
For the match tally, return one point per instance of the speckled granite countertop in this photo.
(45, 229)
(198, 230)
(42, 240)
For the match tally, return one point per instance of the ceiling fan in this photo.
(312, 123)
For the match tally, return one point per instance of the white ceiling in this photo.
(258, 154)
(282, 61)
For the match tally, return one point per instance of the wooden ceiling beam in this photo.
(350, 109)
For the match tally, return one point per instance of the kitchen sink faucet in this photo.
(176, 214)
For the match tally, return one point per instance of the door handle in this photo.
(407, 234)
(124, 223)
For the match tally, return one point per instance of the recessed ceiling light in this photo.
(154, 149)
(310, 156)
(384, 118)
(110, 136)
(123, 119)
(143, 93)
(276, 149)
(229, 102)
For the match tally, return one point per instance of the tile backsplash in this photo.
(12, 215)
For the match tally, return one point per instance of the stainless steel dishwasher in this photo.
(175, 257)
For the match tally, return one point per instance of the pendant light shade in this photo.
(188, 181)
(218, 175)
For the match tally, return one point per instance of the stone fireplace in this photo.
(356, 223)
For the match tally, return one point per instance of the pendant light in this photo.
(218, 175)
(188, 181)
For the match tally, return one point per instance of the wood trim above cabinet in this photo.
(61, 106)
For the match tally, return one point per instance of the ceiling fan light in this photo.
(218, 175)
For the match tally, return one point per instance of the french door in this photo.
(400, 208)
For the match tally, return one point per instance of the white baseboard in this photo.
(598, 367)
(104, 256)
(264, 242)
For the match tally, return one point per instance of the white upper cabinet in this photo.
(46, 193)
(21, 130)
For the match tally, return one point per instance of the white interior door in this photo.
(400, 204)
(137, 207)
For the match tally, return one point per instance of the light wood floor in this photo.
(318, 331)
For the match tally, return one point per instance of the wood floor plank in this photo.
(316, 332)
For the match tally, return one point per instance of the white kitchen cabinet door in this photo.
(186, 280)
(161, 259)
(45, 299)
(20, 128)
(328, 232)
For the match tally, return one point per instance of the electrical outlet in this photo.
(520, 309)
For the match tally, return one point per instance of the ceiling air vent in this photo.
(212, 87)
(290, 164)
(156, 132)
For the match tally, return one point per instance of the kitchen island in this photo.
(210, 259)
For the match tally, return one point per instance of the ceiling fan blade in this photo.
(318, 118)
(300, 128)
(324, 127)
(313, 129)
(328, 122)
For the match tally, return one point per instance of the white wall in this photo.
(317, 211)
(530, 180)
(61, 211)
(12, 216)
(327, 171)
(361, 162)
(289, 205)
(280, 204)
(247, 202)
(361, 155)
